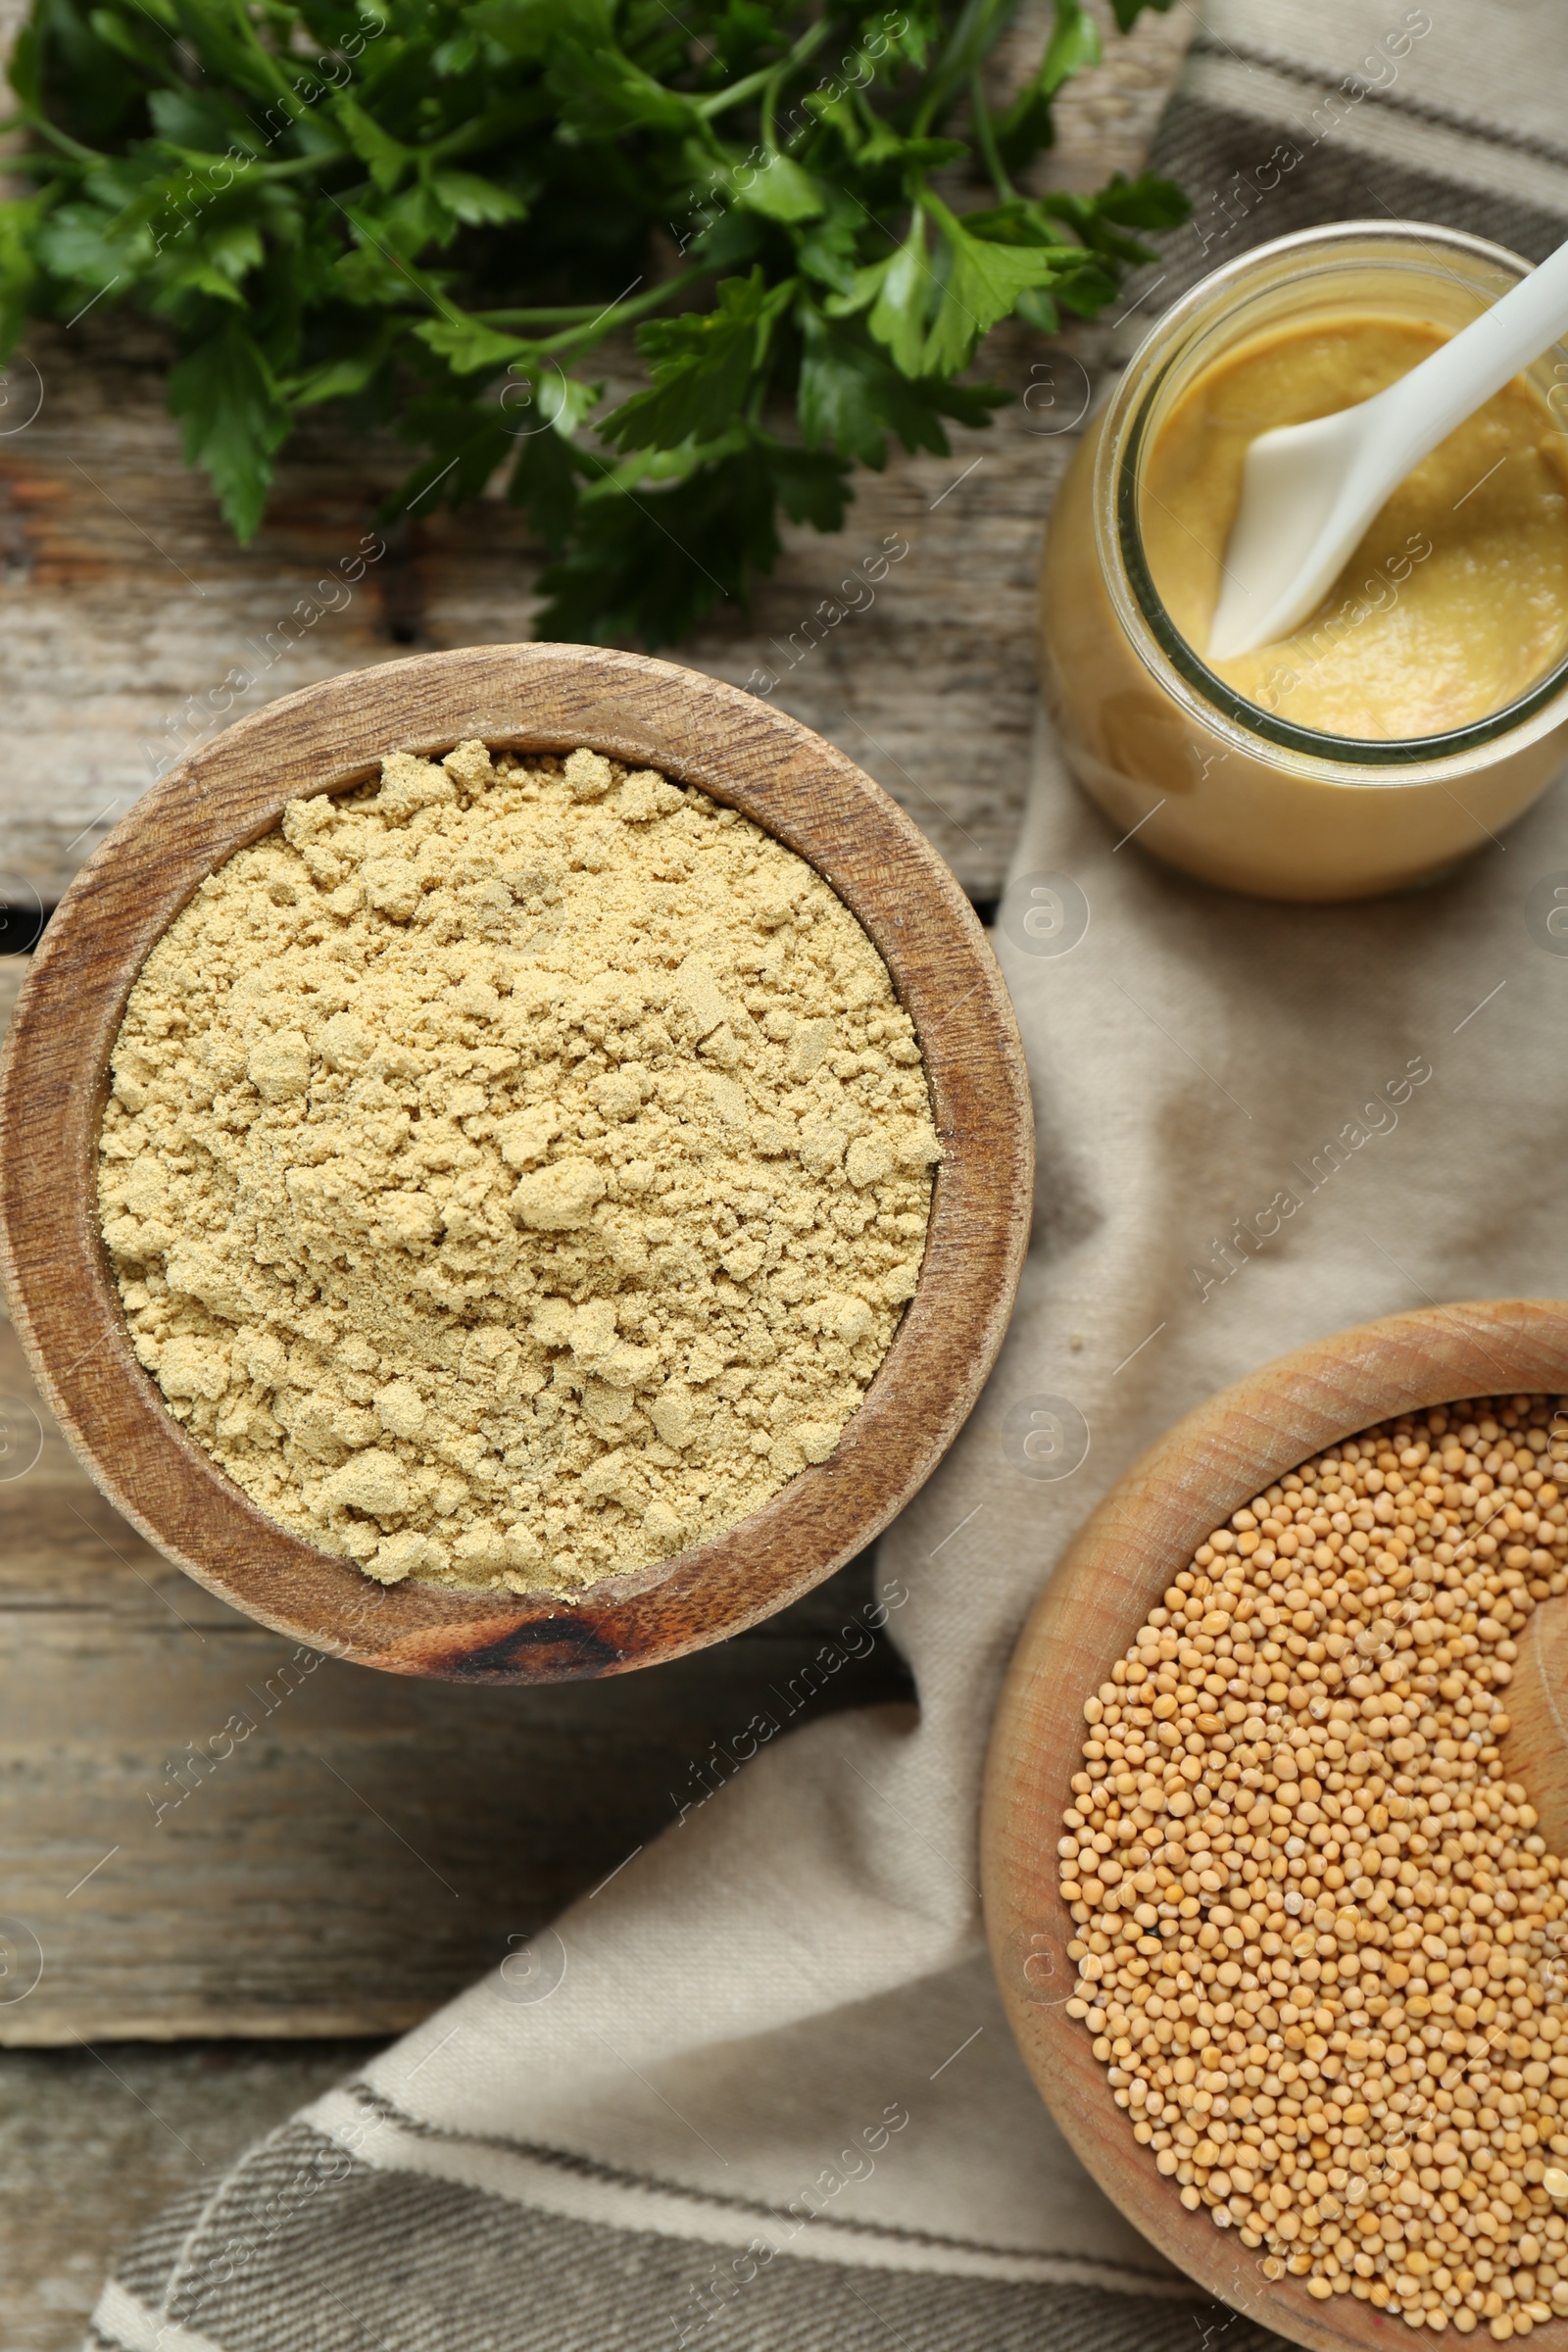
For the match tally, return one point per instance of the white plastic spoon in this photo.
(1308, 491)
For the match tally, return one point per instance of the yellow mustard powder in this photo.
(516, 1172)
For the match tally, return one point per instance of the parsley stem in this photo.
(295, 167)
(539, 318)
(986, 138)
(623, 312)
(619, 314)
(980, 25)
(57, 138)
(768, 110)
(741, 92)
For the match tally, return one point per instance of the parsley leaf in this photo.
(851, 396)
(649, 563)
(701, 366)
(984, 281)
(235, 420)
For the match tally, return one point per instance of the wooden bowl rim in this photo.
(326, 738)
(1146, 1529)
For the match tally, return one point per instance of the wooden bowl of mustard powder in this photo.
(333, 1554)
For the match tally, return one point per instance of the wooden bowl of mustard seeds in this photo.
(331, 739)
(1143, 1534)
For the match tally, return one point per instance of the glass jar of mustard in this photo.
(1240, 790)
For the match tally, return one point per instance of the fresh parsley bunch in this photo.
(433, 212)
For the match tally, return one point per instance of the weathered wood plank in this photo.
(92, 2142)
(207, 1829)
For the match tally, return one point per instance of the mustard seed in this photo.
(1322, 1950)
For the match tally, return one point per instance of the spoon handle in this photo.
(1477, 361)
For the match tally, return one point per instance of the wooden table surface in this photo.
(372, 1843)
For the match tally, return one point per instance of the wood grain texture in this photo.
(1143, 1534)
(93, 2143)
(125, 603)
(204, 1830)
(540, 697)
(1536, 1745)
